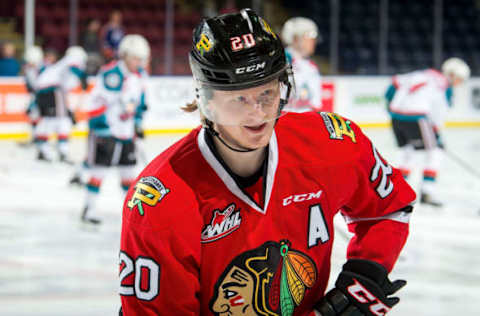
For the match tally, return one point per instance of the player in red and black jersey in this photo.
(237, 217)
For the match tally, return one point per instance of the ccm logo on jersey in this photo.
(301, 197)
(251, 68)
(221, 224)
(361, 294)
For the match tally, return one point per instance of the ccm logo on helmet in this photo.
(251, 68)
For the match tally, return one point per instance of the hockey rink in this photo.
(51, 264)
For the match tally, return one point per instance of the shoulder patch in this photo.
(337, 126)
(113, 79)
(149, 191)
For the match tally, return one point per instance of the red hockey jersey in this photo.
(194, 243)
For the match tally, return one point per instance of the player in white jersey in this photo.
(51, 88)
(117, 104)
(32, 68)
(300, 35)
(418, 103)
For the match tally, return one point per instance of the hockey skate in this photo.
(42, 157)
(76, 180)
(63, 158)
(426, 198)
(89, 220)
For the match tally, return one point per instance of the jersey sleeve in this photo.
(389, 94)
(440, 104)
(96, 108)
(30, 79)
(379, 208)
(96, 101)
(81, 75)
(141, 107)
(160, 249)
(140, 110)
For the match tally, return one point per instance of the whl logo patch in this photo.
(222, 224)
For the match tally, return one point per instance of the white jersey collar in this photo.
(228, 180)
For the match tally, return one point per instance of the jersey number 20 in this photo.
(142, 267)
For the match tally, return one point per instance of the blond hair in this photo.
(190, 107)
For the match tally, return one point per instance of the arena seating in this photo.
(410, 30)
(146, 17)
(410, 33)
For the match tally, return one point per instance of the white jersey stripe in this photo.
(228, 180)
(400, 216)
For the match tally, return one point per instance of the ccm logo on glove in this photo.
(362, 295)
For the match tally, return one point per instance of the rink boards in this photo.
(360, 98)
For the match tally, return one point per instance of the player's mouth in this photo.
(256, 128)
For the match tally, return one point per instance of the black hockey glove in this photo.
(362, 289)
(139, 132)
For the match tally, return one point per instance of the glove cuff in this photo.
(362, 288)
(367, 268)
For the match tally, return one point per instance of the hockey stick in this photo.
(462, 163)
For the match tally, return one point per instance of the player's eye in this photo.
(266, 97)
(241, 99)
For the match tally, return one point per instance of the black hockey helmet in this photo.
(237, 51)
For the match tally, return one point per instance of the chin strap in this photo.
(214, 133)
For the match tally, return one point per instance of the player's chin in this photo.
(258, 135)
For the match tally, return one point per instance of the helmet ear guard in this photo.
(288, 80)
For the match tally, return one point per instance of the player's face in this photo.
(133, 63)
(308, 46)
(305, 44)
(457, 81)
(50, 58)
(246, 118)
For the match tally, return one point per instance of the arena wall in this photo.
(357, 97)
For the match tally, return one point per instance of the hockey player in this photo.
(33, 66)
(301, 36)
(116, 110)
(237, 217)
(417, 103)
(51, 87)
